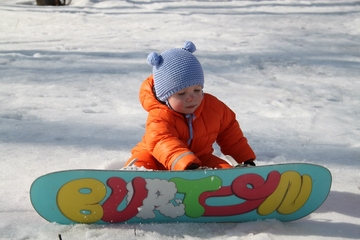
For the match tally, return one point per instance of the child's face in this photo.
(187, 100)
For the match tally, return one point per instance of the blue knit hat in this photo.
(174, 70)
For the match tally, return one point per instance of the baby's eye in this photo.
(181, 93)
(197, 90)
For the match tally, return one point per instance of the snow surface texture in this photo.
(69, 81)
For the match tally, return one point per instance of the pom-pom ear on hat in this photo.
(154, 59)
(175, 69)
(189, 46)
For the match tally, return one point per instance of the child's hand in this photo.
(192, 166)
(248, 163)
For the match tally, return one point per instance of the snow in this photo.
(69, 81)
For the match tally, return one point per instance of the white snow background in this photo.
(69, 82)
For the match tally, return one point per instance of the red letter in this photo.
(255, 195)
(119, 191)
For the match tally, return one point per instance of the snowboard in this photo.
(285, 192)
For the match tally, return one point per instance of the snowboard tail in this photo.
(285, 192)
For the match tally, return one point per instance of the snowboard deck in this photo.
(285, 192)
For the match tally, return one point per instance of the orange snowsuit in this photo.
(170, 144)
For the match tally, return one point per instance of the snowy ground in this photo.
(69, 80)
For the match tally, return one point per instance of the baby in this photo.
(184, 122)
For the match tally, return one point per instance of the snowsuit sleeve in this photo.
(163, 142)
(231, 138)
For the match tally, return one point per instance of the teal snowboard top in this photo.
(285, 192)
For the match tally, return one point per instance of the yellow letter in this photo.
(291, 194)
(79, 200)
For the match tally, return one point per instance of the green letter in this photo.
(192, 190)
